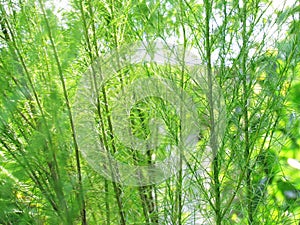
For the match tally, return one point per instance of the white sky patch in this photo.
(279, 6)
(267, 33)
(294, 163)
(60, 6)
(282, 4)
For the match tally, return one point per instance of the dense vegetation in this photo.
(65, 78)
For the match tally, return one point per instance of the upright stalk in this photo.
(117, 187)
(179, 191)
(212, 124)
(77, 156)
(244, 55)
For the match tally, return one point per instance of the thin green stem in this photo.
(62, 79)
(246, 78)
(116, 185)
(212, 123)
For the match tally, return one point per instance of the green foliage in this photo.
(246, 174)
